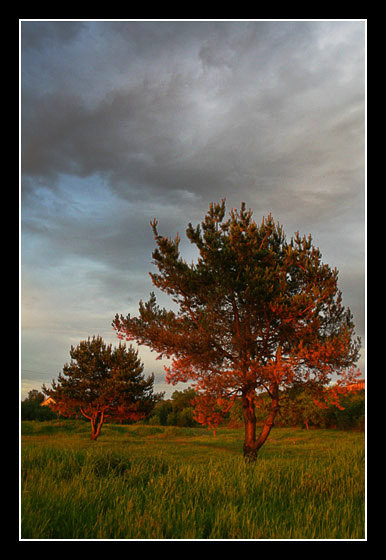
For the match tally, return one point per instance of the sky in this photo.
(123, 121)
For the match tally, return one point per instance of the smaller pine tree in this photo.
(103, 382)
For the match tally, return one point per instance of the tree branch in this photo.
(236, 314)
(84, 414)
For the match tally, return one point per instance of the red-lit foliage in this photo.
(256, 313)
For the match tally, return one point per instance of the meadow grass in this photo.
(154, 482)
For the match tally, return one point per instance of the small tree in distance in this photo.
(257, 315)
(103, 382)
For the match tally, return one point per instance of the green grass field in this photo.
(154, 482)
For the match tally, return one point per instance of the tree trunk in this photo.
(251, 444)
(95, 426)
(248, 406)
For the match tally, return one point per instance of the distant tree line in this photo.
(298, 410)
(31, 408)
(176, 411)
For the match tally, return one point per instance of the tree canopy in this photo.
(256, 313)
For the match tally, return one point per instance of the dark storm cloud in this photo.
(246, 107)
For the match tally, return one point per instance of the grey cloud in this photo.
(198, 130)
(253, 110)
(38, 34)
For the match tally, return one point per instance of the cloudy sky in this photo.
(122, 121)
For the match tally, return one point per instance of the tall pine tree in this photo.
(256, 314)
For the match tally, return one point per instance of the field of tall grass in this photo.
(155, 482)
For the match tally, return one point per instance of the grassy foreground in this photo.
(150, 482)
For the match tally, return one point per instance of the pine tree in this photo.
(256, 314)
(103, 382)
